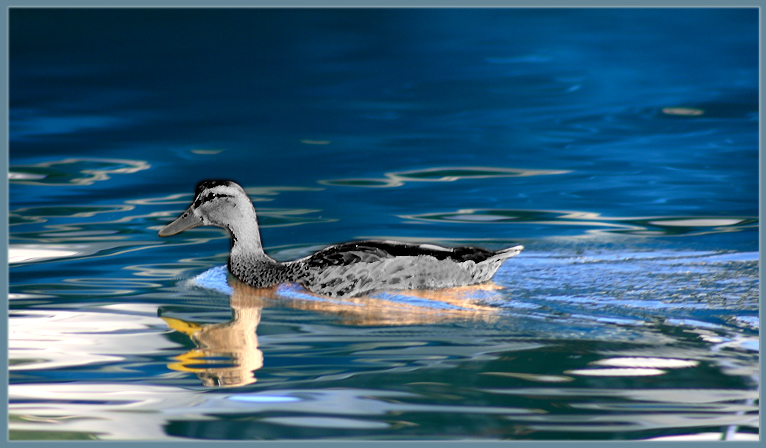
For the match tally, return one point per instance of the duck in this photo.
(350, 269)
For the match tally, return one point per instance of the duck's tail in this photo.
(508, 253)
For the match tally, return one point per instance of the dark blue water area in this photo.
(578, 90)
(619, 146)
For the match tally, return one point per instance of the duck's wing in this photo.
(345, 254)
(372, 251)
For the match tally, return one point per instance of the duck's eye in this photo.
(209, 197)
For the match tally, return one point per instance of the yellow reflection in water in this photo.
(227, 354)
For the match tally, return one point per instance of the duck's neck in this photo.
(247, 260)
(245, 235)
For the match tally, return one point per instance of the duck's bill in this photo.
(185, 221)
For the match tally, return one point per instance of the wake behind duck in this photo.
(342, 270)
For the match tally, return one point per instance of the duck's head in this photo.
(220, 203)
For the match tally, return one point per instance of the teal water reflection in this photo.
(650, 226)
(438, 175)
(73, 171)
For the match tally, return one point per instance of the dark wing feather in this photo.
(345, 254)
(369, 251)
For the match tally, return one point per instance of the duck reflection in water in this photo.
(227, 354)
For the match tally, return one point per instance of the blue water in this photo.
(619, 146)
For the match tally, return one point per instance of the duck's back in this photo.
(361, 267)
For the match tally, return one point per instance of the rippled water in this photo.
(620, 147)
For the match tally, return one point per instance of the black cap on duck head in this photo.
(205, 184)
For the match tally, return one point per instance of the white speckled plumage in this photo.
(343, 270)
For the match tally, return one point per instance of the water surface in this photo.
(619, 146)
